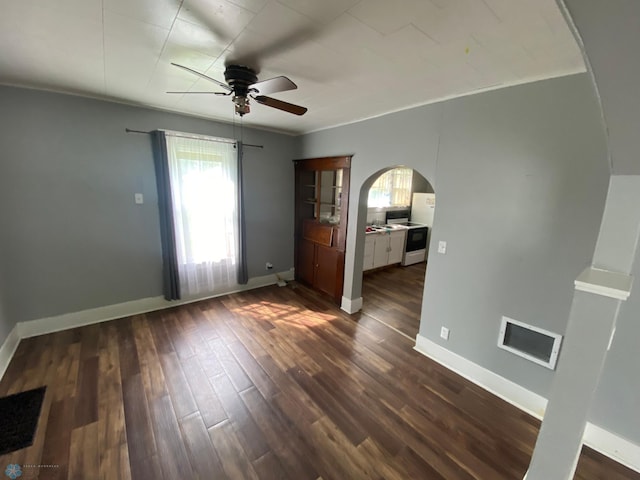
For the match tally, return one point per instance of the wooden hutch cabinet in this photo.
(322, 203)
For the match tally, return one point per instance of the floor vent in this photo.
(533, 343)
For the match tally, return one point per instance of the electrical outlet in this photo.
(139, 198)
(444, 333)
(442, 247)
(269, 266)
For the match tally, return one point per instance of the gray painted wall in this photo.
(610, 32)
(5, 324)
(420, 184)
(522, 181)
(521, 177)
(73, 237)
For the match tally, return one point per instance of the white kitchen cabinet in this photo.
(396, 246)
(381, 249)
(369, 243)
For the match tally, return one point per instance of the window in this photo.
(392, 189)
(203, 175)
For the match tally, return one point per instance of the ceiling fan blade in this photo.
(202, 75)
(206, 93)
(280, 105)
(211, 18)
(246, 55)
(273, 85)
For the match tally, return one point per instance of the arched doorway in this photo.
(399, 216)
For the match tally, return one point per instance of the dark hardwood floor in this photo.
(276, 383)
(393, 295)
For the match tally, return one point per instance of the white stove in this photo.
(415, 248)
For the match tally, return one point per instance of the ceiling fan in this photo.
(243, 60)
(243, 84)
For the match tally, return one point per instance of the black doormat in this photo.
(19, 415)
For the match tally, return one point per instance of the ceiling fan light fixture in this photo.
(242, 106)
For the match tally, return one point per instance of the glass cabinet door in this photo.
(308, 184)
(330, 195)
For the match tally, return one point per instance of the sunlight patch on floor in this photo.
(276, 312)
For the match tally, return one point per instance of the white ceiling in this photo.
(351, 59)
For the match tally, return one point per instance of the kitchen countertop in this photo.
(384, 229)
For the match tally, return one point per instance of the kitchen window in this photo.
(392, 189)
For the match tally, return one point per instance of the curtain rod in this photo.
(129, 130)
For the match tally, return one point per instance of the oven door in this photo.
(416, 239)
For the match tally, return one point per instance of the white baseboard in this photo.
(511, 392)
(7, 349)
(288, 275)
(620, 449)
(605, 442)
(33, 328)
(351, 305)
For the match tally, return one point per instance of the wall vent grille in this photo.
(533, 343)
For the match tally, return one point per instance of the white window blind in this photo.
(392, 189)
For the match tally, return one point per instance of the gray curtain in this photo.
(243, 275)
(170, 278)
